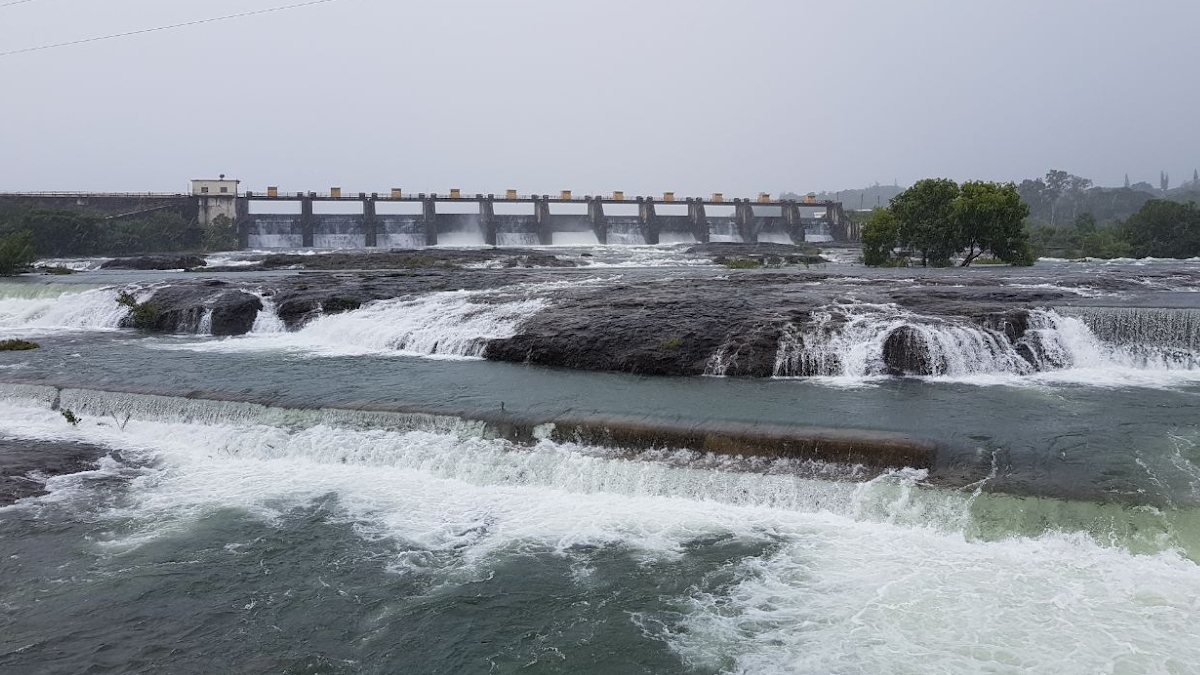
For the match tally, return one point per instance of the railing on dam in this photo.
(565, 197)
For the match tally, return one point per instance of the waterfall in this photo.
(774, 237)
(400, 231)
(53, 308)
(1138, 326)
(405, 241)
(723, 230)
(626, 231)
(339, 231)
(268, 320)
(865, 340)
(455, 324)
(275, 232)
(446, 324)
(517, 239)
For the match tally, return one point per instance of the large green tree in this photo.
(990, 217)
(927, 219)
(939, 219)
(880, 236)
(16, 252)
(1164, 229)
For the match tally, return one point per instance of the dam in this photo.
(399, 219)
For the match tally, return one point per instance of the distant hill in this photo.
(861, 198)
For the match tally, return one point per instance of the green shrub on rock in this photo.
(17, 345)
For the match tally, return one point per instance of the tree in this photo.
(1085, 223)
(16, 253)
(1164, 181)
(880, 236)
(927, 219)
(990, 217)
(221, 235)
(1164, 229)
(1127, 181)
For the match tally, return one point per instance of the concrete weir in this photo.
(876, 451)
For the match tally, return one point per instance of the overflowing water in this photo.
(864, 341)
(819, 575)
(33, 310)
(253, 510)
(455, 324)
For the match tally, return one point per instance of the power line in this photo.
(159, 28)
(15, 2)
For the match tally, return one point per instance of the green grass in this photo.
(671, 344)
(742, 264)
(17, 345)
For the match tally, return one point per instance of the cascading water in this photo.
(625, 231)
(864, 340)
(456, 324)
(339, 231)
(268, 320)
(50, 308)
(275, 232)
(519, 239)
(723, 230)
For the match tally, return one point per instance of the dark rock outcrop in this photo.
(26, 465)
(155, 262)
(761, 255)
(182, 308)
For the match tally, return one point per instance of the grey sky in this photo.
(598, 96)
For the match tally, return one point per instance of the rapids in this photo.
(360, 484)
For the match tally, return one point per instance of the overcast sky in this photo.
(644, 96)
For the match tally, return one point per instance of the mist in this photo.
(694, 97)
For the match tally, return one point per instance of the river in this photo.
(347, 495)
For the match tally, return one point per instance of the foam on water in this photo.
(883, 576)
(77, 264)
(455, 324)
(43, 309)
(1145, 347)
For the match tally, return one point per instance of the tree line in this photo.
(30, 233)
(937, 222)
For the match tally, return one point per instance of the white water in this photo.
(521, 239)
(385, 240)
(267, 321)
(576, 239)
(461, 239)
(456, 324)
(846, 343)
(27, 310)
(775, 237)
(877, 577)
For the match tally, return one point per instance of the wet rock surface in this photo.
(680, 322)
(155, 262)
(183, 309)
(762, 254)
(26, 465)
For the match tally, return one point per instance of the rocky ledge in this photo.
(682, 323)
(25, 466)
(155, 262)
(758, 255)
